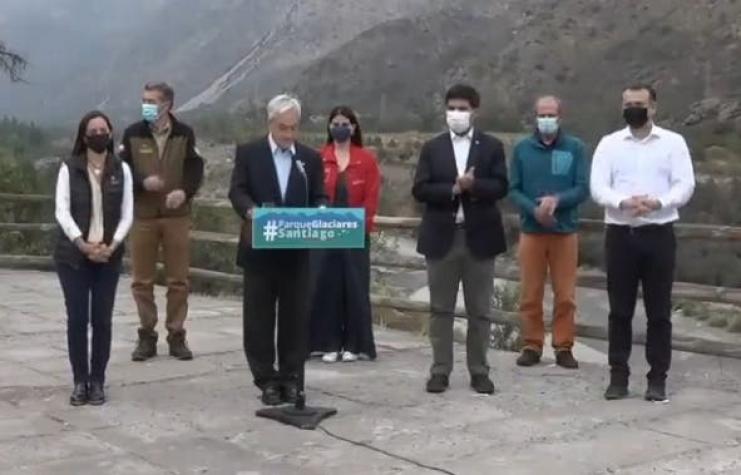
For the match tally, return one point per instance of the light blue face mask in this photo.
(547, 125)
(150, 112)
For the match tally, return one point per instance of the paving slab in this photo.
(172, 417)
(715, 461)
(110, 465)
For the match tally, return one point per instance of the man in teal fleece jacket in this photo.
(548, 182)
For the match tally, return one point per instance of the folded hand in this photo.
(175, 199)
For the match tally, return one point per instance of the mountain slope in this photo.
(228, 50)
(584, 51)
(396, 73)
(391, 59)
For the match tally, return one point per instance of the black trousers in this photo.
(644, 255)
(284, 286)
(89, 295)
(341, 317)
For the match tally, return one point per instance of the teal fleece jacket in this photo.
(558, 169)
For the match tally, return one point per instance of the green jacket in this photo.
(538, 170)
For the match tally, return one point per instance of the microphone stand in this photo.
(300, 415)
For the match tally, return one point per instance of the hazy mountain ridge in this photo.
(392, 59)
(83, 55)
(585, 51)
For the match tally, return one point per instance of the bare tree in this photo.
(11, 63)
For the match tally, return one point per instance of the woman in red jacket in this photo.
(341, 322)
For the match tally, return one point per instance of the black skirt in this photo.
(341, 317)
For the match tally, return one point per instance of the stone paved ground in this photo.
(197, 417)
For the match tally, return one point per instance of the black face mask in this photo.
(98, 143)
(635, 117)
(340, 133)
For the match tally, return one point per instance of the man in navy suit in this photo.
(275, 171)
(460, 177)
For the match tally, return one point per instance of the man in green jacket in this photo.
(548, 181)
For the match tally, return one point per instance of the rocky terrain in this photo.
(392, 59)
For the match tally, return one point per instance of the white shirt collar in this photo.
(274, 146)
(656, 133)
(468, 135)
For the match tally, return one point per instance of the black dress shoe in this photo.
(618, 388)
(271, 395)
(656, 392)
(290, 393)
(482, 384)
(79, 395)
(437, 383)
(616, 391)
(96, 396)
(528, 357)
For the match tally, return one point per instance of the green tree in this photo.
(20, 145)
(17, 176)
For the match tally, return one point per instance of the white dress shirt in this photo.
(283, 161)
(461, 149)
(658, 166)
(67, 222)
(96, 234)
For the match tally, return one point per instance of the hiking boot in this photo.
(96, 396)
(656, 391)
(146, 347)
(528, 357)
(79, 395)
(437, 383)
(565, 359)
(482, 384)
(179, 347)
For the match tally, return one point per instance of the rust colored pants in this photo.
(539, 255)
(173, 235)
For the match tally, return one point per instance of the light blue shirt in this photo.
(283, 160)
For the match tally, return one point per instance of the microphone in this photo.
(302, 169)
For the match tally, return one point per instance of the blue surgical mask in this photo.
(150, 112)
(547, 125)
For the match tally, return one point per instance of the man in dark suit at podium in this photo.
(275, 171)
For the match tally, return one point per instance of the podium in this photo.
(305, 228)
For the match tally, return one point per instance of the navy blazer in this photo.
(433, 186)
(255, 182)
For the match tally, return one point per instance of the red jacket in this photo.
(363, 180)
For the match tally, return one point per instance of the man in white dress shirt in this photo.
(642, 175)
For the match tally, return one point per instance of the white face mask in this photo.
(459, 122)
